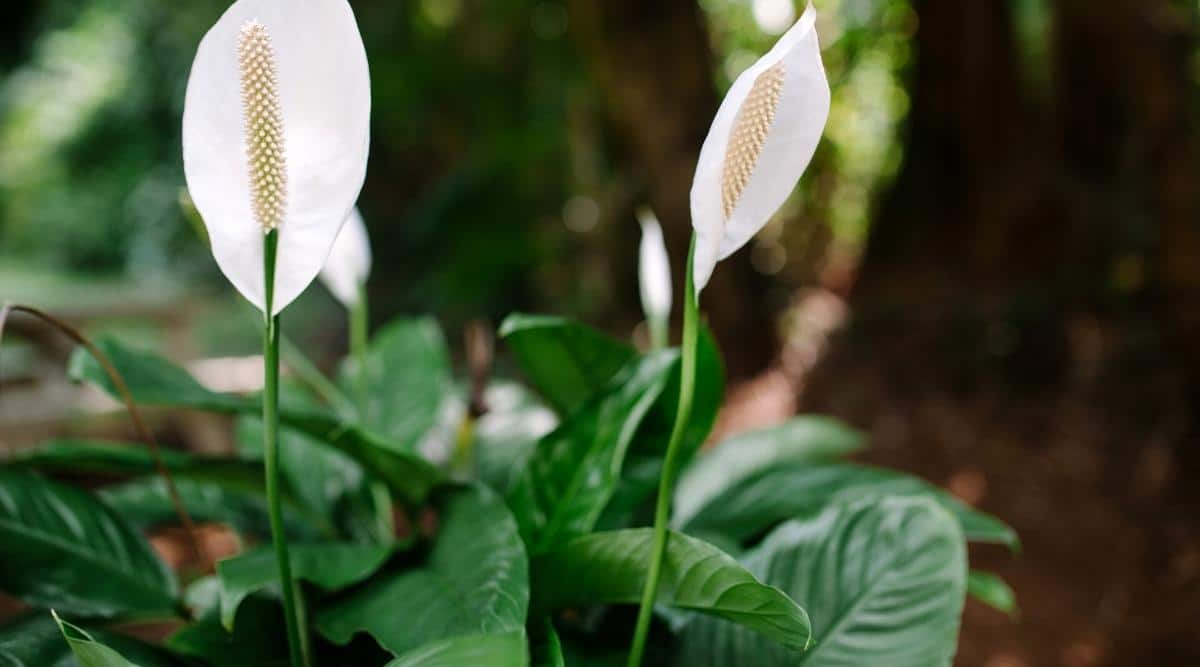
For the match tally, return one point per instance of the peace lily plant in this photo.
(761, 141)
(275, 176)
(410, 517)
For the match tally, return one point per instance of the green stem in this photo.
(295, 631)
(309, 374)
(359, 336)
(666, 482)
(659, 332)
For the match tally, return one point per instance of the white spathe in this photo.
(349, 262)
(786, 96)
(654, 268)
(324, 100)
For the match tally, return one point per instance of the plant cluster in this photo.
(398, 515)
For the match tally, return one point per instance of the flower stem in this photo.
(295, 631)
(659, 332)
(666, 481)
(359, 337)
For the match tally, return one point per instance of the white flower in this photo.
(349, 261)
(654, 268)
(761, 141)
(275, 136)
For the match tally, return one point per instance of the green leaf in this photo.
(257, 639)
(155, 381)
(883, 581)
(567, 362)
(407, 378)
(758, 502)
(991, 590)
(506, 435)
(547, 649)
(643, 464)
(327, 482)
(145, 504)
(133, 460)
(474, 581)
(88, 651)
(610, 568)
(798, 440)
(574, 470)
(35, 640)
(331, 566)
(495, 650)
(61, 547)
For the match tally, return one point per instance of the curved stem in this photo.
(270, 402)
(135, 415)
(666, 482)
(659, 332)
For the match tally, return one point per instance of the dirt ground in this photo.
(1091, 457)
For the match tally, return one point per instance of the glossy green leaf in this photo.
(991, 590)
(155, 381)
(88, 651)
(61, 547)
(494, 650)
(574, 470)
(145, 504)
(567, 362)
(257, 640)
(546, 647)
(331, 566)
(610, 568)
(758, 502)
(35, 640)
(798, 440)
(475, 580)
(883, 581)
(325, 481)
(407, 378)
(643, 465)
(134, 460)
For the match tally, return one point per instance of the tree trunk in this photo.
(653, 63)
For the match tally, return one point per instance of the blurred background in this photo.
(992, 266)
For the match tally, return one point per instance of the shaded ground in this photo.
(1082, 440)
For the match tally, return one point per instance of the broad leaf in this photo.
(88, 651)
(798, 440)
(546, 647)
(331, 566)
(610, 568)
(496, 650)
(474, 581)
(327, 482)
(643, 465)
(567, 362)
(991, 590)
(155, 381)
(883, 581)
(257, 640)
(574, 470)
(145, 504)
(407, 378)
(133, 460)
(61, 547)
(758, 502)
(35, 640)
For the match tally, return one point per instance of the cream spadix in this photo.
(761, 141)
(349, 262)
(275, 137)
(654, 268)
